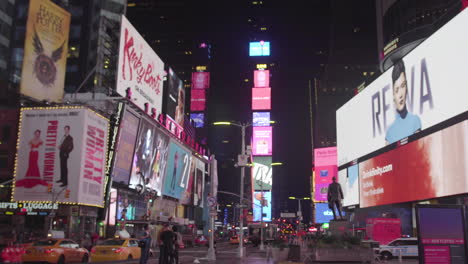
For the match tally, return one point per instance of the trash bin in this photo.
(294, 253)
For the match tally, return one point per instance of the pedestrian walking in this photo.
(166, 239)
(145, 243)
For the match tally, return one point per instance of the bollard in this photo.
(400, 258)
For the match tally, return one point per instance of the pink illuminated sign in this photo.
(261, 98)
(325, 167)
(198, 100)
(200, 80)
(262, 78)
(262, 141)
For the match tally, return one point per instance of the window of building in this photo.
(6, 134)
(3, 159)
(75, 31)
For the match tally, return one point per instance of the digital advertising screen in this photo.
(262, 173)
(441, 234)
(177, 170)
(262, 198)
(323, 214)
(433, 166)
(198, 119)
(325, 169)
(200, 80)
(175, 97)
(261, 119)
(261, 98)
(198, 100)
(262, 78)
(199, 182)
(187, 196)
(259, 48)
(423, 89)
(130, 206)
(150, 157)
(349, 181)
(125, 147)
(262, 141)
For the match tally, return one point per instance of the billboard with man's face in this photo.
(423, 89)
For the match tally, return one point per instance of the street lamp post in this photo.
(299, 210)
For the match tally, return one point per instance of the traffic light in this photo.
(67, 193)
(49, 187)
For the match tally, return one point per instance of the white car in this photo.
(407, 247)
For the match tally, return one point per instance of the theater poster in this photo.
(61, 156)
(45, 51)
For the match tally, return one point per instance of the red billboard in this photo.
(200, 80)
(261, 98)
(433, 166)
(262, 78)
(198, 100)
(262, 141)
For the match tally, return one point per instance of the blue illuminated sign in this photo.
(261, 119)
(323, 214)
(261, 48)
(257, 209)
(198, 119)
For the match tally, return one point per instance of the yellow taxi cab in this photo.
(116, 249)
(54, 250)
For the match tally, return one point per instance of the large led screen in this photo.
(150, 157)
(198, 100)
(200, 80)
(427, 87)
(262, 78)
(260, 48)
(323, 214)
(349, 181)
(433, 166)
(187, 196)
(262, 199)
(175, 98)
(261, 98)
(261, 119)
(199, 183)
(177, 170)
(262, 141)
(125, 148)
(325, 169)
(262, 173)
(441, 233)
(198, 119)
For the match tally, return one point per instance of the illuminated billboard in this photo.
(198, 119)
(262, 141)
(177, 171)
(424, 89)
(433, 166)
(261, 98)
(199, 183)
(259, 48)
(262, 199)
(64, 150)
(323, 214)
(200, 80)
(261, 119)
(262, 173)
(45, 51)
(175, 98)
(198, 100)
(349, 181)
(262, 78)
(325, 169)
(140, 71)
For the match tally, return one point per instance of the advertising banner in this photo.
(177, 170)
(433, 166)
(199, 183)
(125, 148)
(325, 169)
(261, 119)
(45, 51)
(175, 98)
(262, 78)
(130, 206)
(200, 80)
(198, 100)
(262, 199)
(261, 98)
(420, 91)
(262, 173)
(61, 150)
(150, 157)
(140, 71)
(262, 141)
(441, 234)
(259, 48)
(349, 181)
(198, 119)
(323, 214)
(187, 197)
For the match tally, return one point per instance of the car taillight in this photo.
(48, 251)
(118, 250)
(93, 250)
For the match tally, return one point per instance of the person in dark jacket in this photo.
(65, 147)
(334, 197)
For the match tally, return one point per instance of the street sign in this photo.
(288, 215)
(242, 160)
(241, 206)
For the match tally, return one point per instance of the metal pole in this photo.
(211, 251)
(299, 215)
(241, 222)
(262, 246)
